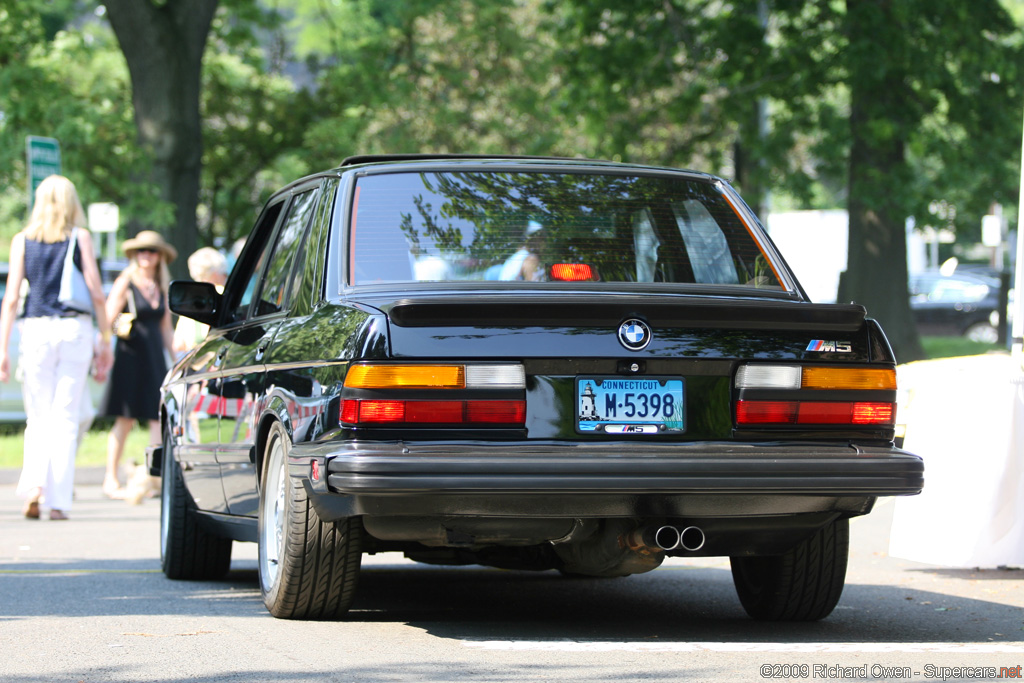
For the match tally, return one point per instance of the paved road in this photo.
(84, 600)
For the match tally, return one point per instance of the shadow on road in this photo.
(471, 603)
(668, 605)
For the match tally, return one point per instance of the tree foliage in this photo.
(889, 108)
(916, 104)
(163, 45)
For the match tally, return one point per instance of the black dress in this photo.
(133, 389)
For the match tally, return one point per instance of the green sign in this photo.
(43, 155)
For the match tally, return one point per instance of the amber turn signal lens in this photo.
(406, 377)
(849, 378)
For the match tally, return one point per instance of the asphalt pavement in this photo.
(84, 600)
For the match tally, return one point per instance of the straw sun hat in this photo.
(148, 239)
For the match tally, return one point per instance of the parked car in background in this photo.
(960, 304)
(530, 363)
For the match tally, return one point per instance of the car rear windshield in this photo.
(550, 227)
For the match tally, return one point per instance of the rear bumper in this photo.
(607, 479)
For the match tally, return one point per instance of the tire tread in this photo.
(803, 584)
(192, 552)
(319, 568)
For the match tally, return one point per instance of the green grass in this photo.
(92, 453)
(948, 347)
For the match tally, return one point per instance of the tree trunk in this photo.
(880, 117)
(163, 45)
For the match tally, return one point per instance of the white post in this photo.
(1018, 278)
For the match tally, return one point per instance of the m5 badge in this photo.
(823, 346)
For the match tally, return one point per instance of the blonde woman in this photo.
(56, 343)
(133, 392)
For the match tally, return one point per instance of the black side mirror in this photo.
(197, 300)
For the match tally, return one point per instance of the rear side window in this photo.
(275, 283)
(252, 264)
(550, 227)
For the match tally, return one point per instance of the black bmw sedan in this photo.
(532, 363)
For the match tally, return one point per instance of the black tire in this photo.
(187, 549)
(308, 569)
(803, 584)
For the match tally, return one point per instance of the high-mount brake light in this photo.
(572, 272)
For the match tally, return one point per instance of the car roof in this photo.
(383, 158)
(395, 159)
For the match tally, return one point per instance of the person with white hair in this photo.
(204, 265)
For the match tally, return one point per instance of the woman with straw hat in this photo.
(133, 392)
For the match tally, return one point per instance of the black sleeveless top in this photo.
(133, 389)
(44, 264)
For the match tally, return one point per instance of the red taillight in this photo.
(821, 412)
(370, 411)
(766, 412)
(572, 272)
(350, 412)
(873, 413)
(814, 412)
(380, 411)
(496, 412)
(433, 411)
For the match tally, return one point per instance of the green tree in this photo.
(64, 75)
(430, 76)
(917, 103)
(254, 119)
(163, 44)
(72, 85)
(885, 106)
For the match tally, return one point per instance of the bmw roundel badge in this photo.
(634, 334)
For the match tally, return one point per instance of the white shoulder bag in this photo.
(74, 293)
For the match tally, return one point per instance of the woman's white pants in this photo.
(55, 357)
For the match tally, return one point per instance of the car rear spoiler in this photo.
(588, 311)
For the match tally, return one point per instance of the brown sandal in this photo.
(31, 509)
(57, 515)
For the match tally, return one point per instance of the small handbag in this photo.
(123, 324)
(74, 293)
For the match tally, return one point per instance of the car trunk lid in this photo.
(586, 326)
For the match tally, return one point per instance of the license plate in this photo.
(633, 405)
